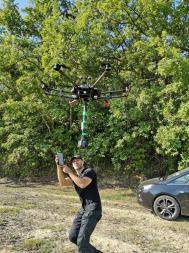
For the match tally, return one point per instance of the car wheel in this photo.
(166, 207)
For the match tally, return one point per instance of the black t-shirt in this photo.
(90, 193)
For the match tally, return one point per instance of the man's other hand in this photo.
(66, 169)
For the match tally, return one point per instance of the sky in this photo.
(21, 3)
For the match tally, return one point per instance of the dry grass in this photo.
(36, 218)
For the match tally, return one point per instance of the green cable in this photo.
(84, 122)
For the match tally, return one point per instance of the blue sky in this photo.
(21, 3)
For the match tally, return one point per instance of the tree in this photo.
(147, 44)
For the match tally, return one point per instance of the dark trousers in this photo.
(83, 225)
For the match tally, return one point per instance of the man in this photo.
(85, 183)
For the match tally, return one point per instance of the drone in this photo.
(84, 93)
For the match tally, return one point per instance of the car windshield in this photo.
(175, 174)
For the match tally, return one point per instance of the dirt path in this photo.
(36, 218)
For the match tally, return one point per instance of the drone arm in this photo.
(63, 74)
(100, 77)
(60, 91)
(115, 94)
(117, 91)
(55, 92)
(110, 96)
(57, 67)
(60, 94)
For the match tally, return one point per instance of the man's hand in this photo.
(56, 160)
(66, 169)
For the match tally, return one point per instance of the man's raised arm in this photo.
(63, 181)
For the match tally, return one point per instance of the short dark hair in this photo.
(76, 157)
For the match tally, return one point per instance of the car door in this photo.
(184, 195)
(179, 187)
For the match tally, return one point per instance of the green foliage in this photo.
(147, 44)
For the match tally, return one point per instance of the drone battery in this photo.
(60, 159)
